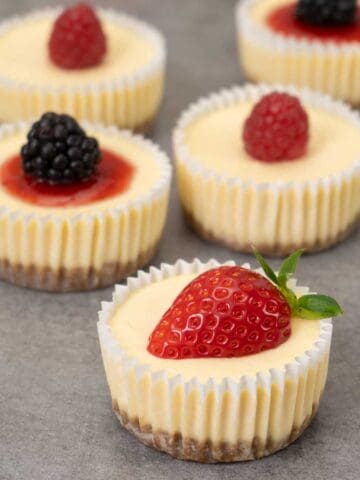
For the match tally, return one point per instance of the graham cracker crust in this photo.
(207, 452)
(272, 251)
(145, 127)
(77, 279)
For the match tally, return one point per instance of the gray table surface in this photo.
(56, 420)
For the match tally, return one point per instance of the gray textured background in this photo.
(55, 414)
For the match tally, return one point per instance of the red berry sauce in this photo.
(283, 20)
(113, 176)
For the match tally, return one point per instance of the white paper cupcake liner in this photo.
(211, 421)
(60, 249)
(129, 101)
(276, 217)
(272, 57)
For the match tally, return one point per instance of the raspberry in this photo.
(224, 312)
(77, 39)
(58, 151)
(277, 129)
(326, 12)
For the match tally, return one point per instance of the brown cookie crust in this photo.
(69, 280)
(206, 452)
(145, 127)
(273, 251)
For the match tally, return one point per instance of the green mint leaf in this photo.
(288, 267)
(313, 307)
(269, 272)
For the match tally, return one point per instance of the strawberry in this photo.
(230, 311)
(77, 39)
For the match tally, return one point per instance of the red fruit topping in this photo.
(277, 129)
(113, 176)
(77, 39)
(224, 312)
(283, 20)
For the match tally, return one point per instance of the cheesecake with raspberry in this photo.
(81, 206)
(314, 44)
(97, 65)
(216, 363)
(275, 168)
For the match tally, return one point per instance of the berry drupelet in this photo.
(326, 12)
(58, 150)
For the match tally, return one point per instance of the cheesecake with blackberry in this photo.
(81, 206)
(308, 43)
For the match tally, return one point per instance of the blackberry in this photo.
(58, 150)
(326, 12)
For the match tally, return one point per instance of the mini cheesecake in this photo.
(86, 231)
(277, 45)
(197, 399)
(231, 197)
(123, 89)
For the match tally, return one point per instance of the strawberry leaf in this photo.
(314, 307)
(269, 272)
(290, 297)
(288, 267)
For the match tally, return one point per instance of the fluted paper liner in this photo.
(129, 101)
(277, 217)
(57, 249)
(235, 419)
(273, 57)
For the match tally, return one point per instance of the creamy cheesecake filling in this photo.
(135, 319)
(214, 141)
(147, 172)
(260, 10)
(24, 56)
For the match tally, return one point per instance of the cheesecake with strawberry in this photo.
(216, 363)
(81, 205)
(94, 64)
(308, 43)
(277, 168)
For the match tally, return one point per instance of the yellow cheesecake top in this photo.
(214, 140)
(260, 10)
(24, 56)
(147, 172)
(134, 320)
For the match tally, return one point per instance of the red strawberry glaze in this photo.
(283, 20)
(113, 177)
(224, 312)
